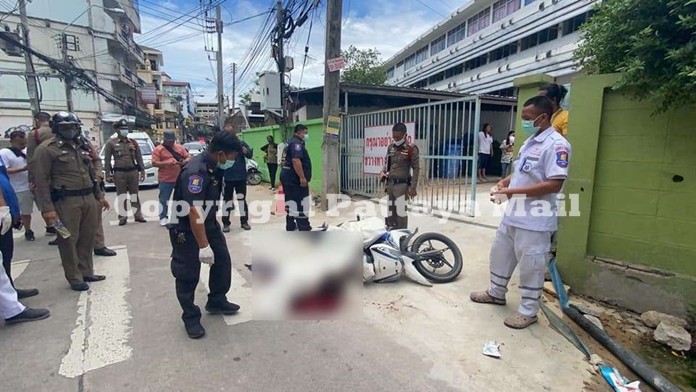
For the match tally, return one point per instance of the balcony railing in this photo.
(125, 38)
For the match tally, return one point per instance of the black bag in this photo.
(175, 154)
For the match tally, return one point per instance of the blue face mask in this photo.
(224, 166)
(529, 128)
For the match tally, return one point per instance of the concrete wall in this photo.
(256, 138)
(633, 244)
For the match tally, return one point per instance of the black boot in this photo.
(195, 330)
(29, 314)
(226, 308)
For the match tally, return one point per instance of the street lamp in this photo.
(64, 50)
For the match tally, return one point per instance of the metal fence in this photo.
(446, 135)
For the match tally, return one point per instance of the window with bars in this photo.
(410, 62)
(390, 73)
(477, 62)
(438, 45)
(422, 55)
(478, 22)
(503, 52)
(503, 8)
(454, 71)
(572, 25)
(456, 34)
(539, 38)
(420, 84)
(437, 78)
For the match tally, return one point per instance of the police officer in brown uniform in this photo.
(39, 134)
(127, 171)
(66, 189)
(402, 157)
(100, 248)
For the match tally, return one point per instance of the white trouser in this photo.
(9, 305)
(530, 249)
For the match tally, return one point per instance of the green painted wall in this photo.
(623, 166)
(256, 138)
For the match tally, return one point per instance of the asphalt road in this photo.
(125, 334)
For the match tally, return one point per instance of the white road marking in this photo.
(18, 267)
(102, 332)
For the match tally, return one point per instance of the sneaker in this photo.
(28, 314)
(520, 321)
(246, 226)
(163, 222)
(195, 331)
(226, 308)
(50, 231)
(482, 297)
(26, 293)
(226, 228)
(29, 236)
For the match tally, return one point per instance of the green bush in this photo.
(652, 43)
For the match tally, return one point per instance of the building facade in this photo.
(99, 36)
(163, 107)
(183, 94)
(486, 44)
(207, 112)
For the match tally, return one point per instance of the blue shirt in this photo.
(7, 192)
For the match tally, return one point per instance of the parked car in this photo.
(146, 147)
(194, 148)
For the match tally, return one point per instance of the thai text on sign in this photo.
(377, 139)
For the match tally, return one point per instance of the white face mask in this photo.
(123, 132)
(399, 142)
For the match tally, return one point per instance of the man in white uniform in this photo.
(11, 310)
(524, 236)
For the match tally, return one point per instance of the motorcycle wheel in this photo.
(440, 269)
(254, 178)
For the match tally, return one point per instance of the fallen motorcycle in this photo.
(253, 173)
(389, 254)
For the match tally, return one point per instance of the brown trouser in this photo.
(127, 182)
(79, 215)
(99, 242)
(398, 215)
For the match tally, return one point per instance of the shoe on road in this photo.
(80, 286)
(226, 308)
(29, 236)
(226, 228)
(482, 297)
(122, 222)
(195, 331)
(141, 220)
(163, 222)
(520, 321)
(246, 226)
(54, 242)
(26, 293)
(94, 278)
(50, 231)
(104, 252)
(29, 314)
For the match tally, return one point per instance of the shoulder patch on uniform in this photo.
(298, 147)
(562, 157)
(195, 184)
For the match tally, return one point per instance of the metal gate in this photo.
(446, 134)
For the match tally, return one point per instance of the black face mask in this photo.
(68, 133)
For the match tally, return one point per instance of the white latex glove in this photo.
(497, 198)
(5, 220)
(206, 255)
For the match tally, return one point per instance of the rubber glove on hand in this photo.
(206, 255)
(5, 220)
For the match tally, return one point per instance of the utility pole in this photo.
(234, 84)
(220, 93)
(332, 88)
(280, 59)
(68, 79)
(32, 89)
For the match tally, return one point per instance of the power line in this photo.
(432, 9)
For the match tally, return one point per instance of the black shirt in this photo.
(296, 149)
(199, 185)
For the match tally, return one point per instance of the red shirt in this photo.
(161, 155)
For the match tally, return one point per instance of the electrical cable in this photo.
(432, 9)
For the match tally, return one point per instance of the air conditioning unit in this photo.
(289, 63)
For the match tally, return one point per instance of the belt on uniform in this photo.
(124, 169)
(74, 192)
(287, 167)
(397, 181)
